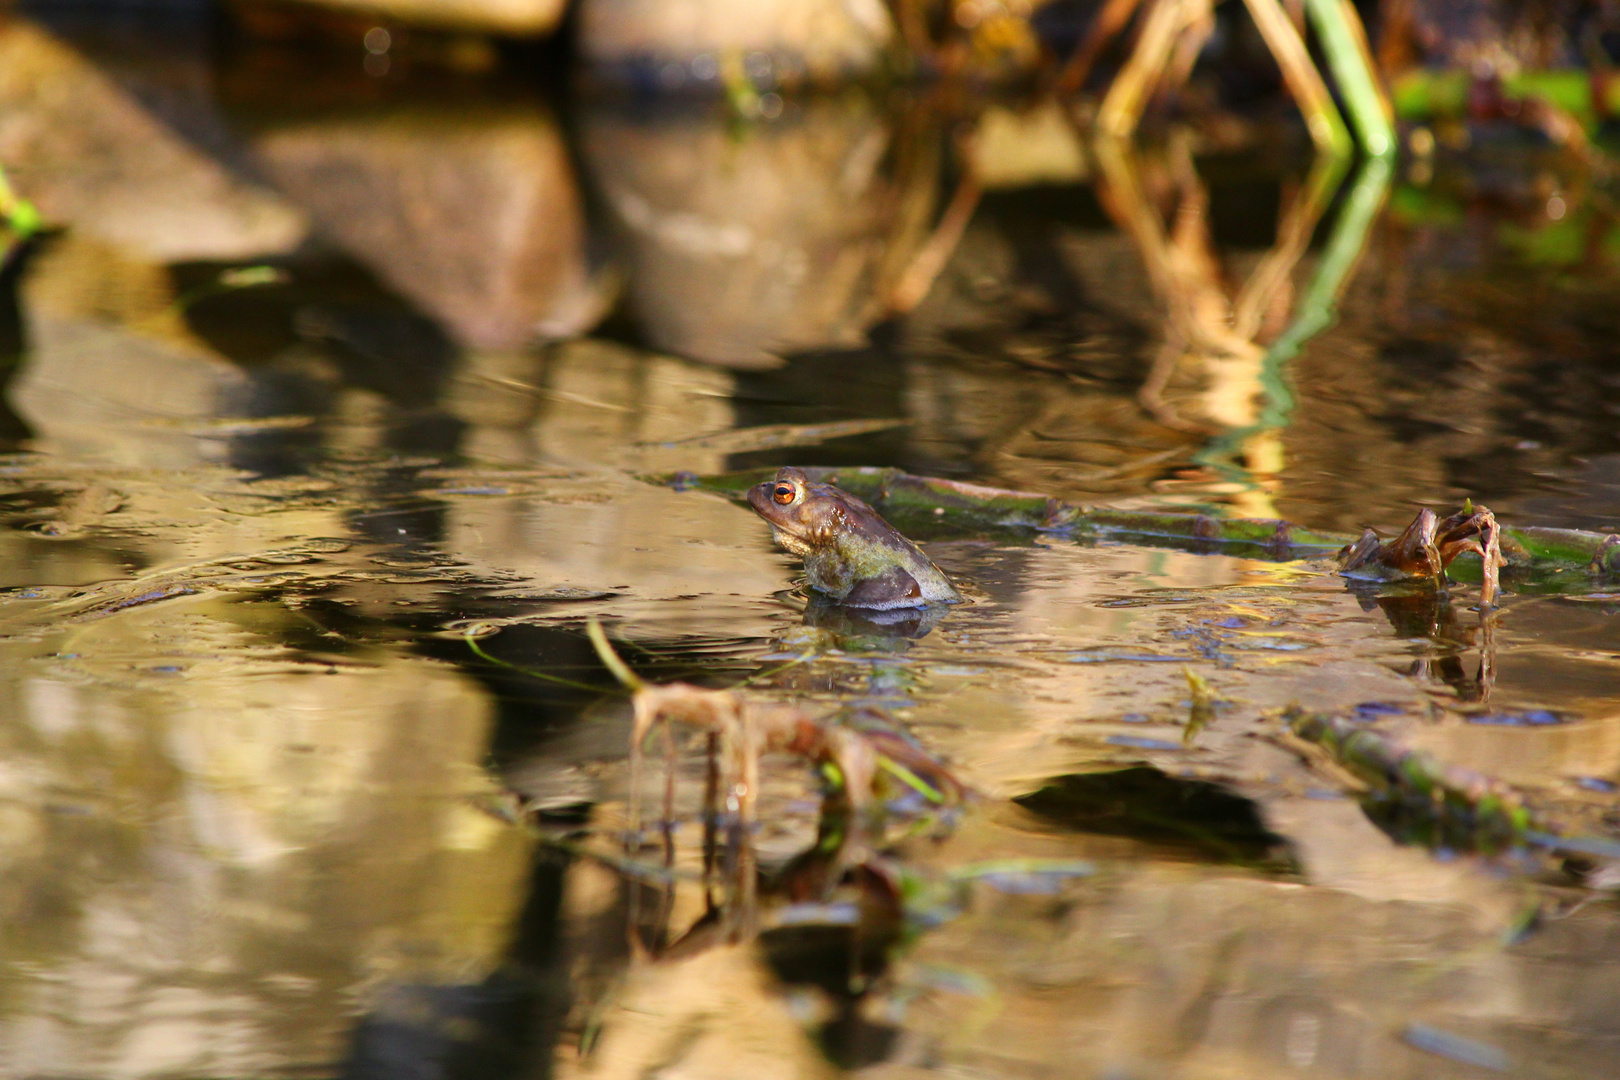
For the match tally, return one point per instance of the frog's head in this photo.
(804, 516)
(850, 553)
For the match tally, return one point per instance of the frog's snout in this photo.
(759, 497)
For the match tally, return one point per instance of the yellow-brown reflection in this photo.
(786, 237)
(1208, 330)
(208, 881)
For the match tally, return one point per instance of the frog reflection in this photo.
(866, 630)
(851, 555)
(1417, 610)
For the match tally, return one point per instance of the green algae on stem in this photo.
(974, 507)
(1418, 798)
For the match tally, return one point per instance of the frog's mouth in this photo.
(792, 542)
(792, 539)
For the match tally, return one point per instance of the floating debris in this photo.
(1429, 801)
(936, 504)
(855, 761)
(1202, 709)
(1456, 1047)
(1428, 546)
(1418, 799)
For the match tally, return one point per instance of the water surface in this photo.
(296, 564)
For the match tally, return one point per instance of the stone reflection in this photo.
(746, 243)
(131, 149)
(472, 214)
(113, 373)
(213, 881)
(133, 362)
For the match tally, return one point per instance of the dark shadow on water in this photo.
(325, 327)
(1194, 818)
(501, 1028)
(835, 959)
(13, 341)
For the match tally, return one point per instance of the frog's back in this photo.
(886, 570)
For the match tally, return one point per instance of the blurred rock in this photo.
(784, 237)
(518, 17)
(265, 849)
(150, 172)
(592, 402)
(475, 217)
(687, 41)
(113, 374)
(1021, 148)
(715, 1016)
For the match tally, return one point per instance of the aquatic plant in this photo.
(955, 505)
(1418, 798)
(1174, 31)
(1428, 546)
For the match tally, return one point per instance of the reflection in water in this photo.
(474, 217)
(863, 629)
(1243, 395)
(743, 245)
(493, 1029)
(240, 836)
(13, 429)
(1428, 613)
(294, 575)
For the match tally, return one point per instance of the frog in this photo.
(851, 555)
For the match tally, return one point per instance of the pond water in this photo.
(310, 769)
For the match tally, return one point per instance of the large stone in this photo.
(143, 163)
(787, 238)
(475, 217)
(818, 39)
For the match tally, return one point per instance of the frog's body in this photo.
(850, 553)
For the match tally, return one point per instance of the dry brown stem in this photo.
(1429, 545)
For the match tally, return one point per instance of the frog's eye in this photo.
(783, 493)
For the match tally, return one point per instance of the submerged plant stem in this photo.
(978, 508)
(478, 651)
(610, 659)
